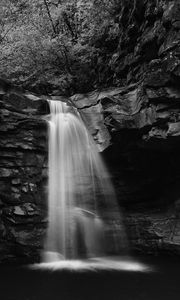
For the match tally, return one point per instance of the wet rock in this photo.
(142, 235)
(24, 102)
(172, 12)
(16, 181)
(23, 159)
(4, 172)
(94, 121)
(23, 214)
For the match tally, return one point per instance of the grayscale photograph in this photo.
(89, 149)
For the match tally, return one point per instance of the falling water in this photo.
(83, 215)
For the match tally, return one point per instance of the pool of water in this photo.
(113, 278)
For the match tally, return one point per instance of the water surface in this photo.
(161, 281)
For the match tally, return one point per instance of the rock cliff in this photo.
(136, 125)
(23, 175)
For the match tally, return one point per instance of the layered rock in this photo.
(137, 125)
(137, 128)
(23, 175)
(148, 43)
(141, 120)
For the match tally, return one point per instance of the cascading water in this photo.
(84, 220)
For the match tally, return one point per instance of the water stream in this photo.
(84, 219)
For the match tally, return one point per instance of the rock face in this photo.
(148, 43)
(136, 126)
(139, 135)
(141, 120)
(23, 174)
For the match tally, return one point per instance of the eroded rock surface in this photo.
(23, 175)
(141, 126)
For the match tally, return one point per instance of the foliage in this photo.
(58, 44)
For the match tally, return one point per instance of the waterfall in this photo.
(83, 217)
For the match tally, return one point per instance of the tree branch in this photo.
(50, 18)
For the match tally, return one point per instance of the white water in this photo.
(95, 264)
(83, 215)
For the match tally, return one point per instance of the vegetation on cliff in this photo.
(77, 46)
(63, 44)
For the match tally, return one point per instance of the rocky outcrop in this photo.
(138, 129)
(148, 44)
(137, 125)
(23, 175)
